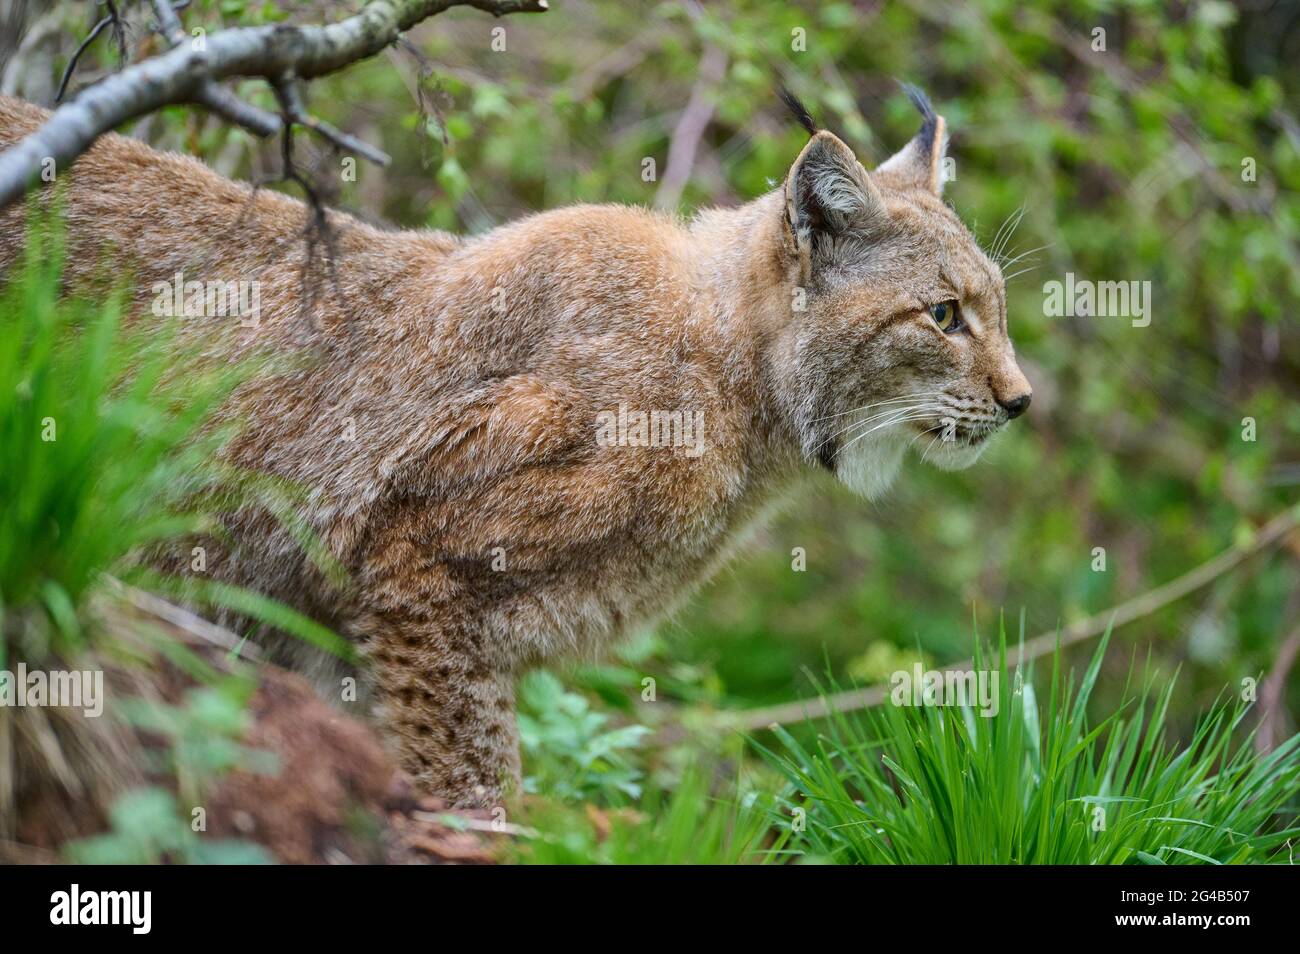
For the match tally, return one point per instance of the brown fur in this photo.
(473, 372)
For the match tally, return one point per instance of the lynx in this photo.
(473, 418)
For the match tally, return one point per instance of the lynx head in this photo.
(899, 330)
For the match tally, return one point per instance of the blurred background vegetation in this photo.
(1163, 148)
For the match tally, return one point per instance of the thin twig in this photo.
(68, 70)
(318, 230)
(291, 102)
(183, 619)
(1273, 691)
(119, 31)
(1271, 534)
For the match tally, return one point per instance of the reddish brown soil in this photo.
(337, 797)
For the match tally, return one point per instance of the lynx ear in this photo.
(828, 193)
(919, 164)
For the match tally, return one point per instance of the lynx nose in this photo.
(1016, 406)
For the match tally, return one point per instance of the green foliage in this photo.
(146, 828)
(201, 736)
(1038, 783)
(572, 753)
(200, 742)
(684, 825)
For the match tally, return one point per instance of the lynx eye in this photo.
(947, 316)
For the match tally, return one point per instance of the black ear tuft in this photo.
(929, 121)
(799, 110)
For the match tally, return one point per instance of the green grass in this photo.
(1037, 784)
(108, 451)
(97, 461)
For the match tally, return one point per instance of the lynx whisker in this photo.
(925, 454)
(925, 433)
(1011, 261)
(876, 417)
(899, 420)
(1018, 272)
(1005, 233)
(868, 407)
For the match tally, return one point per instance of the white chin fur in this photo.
(869, 466)
(950, 455)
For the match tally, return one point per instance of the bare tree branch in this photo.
(226, 104)
(216, 98)
(185, 74)
(183, 619)
(119, 30)
(694, 120)
(690, 128)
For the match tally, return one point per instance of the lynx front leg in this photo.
(451, 712)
